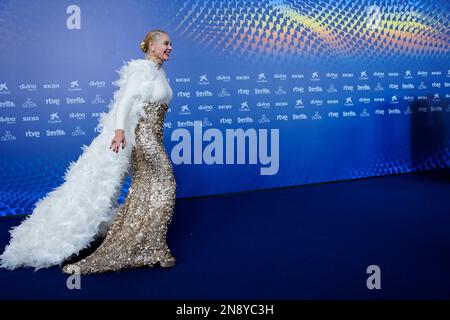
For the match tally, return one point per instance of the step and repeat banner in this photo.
(266, 93)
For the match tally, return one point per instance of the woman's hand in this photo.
(119, 139)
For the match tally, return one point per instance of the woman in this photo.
(74, 214)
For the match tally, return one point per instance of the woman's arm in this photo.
(124, 103)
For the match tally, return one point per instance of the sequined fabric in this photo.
(137, 236)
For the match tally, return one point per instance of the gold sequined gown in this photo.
(137, 236)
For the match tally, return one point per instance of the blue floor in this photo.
(307, 242)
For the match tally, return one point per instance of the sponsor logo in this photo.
(347, 88)
(203, 79)
(184, 110)
(206, 123)
(280, 91)
(280, 76)
(32, 134)
(365, 87)
(205, 107)
(347, 114)
(394, 99)
(264, 105)
(4, 88)
(50, 85)
(378, 74)
(55, 133)
(364, 114)
(262, 91)
(263, 119)
(54, 118)
(223, 93)
(333, 114)
(52, 101)
(282, 117)
(394, 111)
(7, 104)
(315, 76)
(436, 85)
(363, 75)
(223, 78)
(77, 100)
(364, 100)
(393, 86)
(8, 136)
(300, 116)
(243, 91)
(331, 89)
(97, 84)
(74, 86)
(183, 80)
(244, 106)
(77, 115)
(408, 110)
(244, 120)
(8, 120)
(407, 74)
(242, 77)
(29, 104)
(433, 109)
(316, 102)
(98, 99)
(202, 94)
(299, 103)
(183, 94)
(78, 132)
(407, 86)
(30, 118)
(261, 77)
(228, 121)
(348, 101)
(298, 76)
(28, 86)
(331, 75)
(316, 116)
(423, 74)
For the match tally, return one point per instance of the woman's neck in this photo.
(156, 60)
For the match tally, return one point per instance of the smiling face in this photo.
(161, 47)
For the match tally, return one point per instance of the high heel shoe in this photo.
(170, 262)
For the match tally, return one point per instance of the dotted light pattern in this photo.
(319, 31)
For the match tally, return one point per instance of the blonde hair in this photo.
(151, 36)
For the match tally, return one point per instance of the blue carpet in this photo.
(307, 242)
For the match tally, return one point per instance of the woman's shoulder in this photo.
(134, 65)
(137, 69)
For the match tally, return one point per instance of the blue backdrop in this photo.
(323, 90)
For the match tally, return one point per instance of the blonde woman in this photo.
(85, 205)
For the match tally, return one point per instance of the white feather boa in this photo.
(72, 215)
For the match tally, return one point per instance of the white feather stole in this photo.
(68, 218)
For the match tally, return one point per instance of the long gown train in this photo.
(137, 236)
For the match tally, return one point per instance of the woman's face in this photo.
(161, 48)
